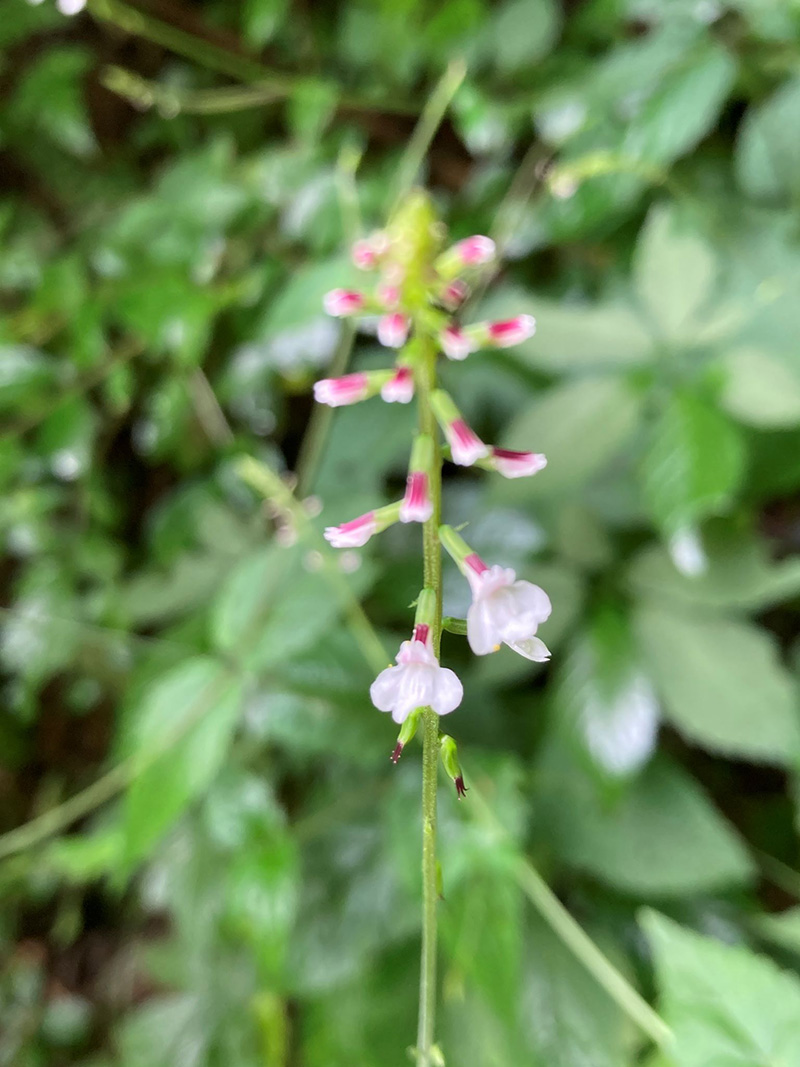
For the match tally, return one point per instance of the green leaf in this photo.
(580, 426)
(190, 713)
(727, 1006)
(674, 271)
(782, 929)
(767, 156)
(311, 107)
(524, 32)
(760, 389)
(51, 99)
(661, 837)
(604, 701)
(569, 1019)
(66, 437)
(739, 573)
(721, 683)
(24, 374)
(693, 465)
(261, 19)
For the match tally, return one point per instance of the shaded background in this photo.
(240, 885)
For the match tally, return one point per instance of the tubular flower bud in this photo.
(417, 504)
(417, 681)
(449, 754)
(456, 344)
(368, 251)
(503, 610)
(393, 330)
(356, 532)
(502, 334)
(471, 252)
(351, 388)
(342, 303)
(454, 294)
(465, 445)
(400, 387)
(515, 464)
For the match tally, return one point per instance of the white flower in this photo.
(505, 610)
(418, 681)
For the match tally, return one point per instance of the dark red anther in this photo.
(461, 789)
(398, 751)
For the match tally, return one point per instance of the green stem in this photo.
(432, 555)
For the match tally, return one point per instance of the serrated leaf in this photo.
(190, 713)
(693, 465)
(604, 701)
(721, 683)
(661, 838)
(674, 270)
(726, 1006)
(767, 156)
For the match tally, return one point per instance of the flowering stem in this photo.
(430, 723)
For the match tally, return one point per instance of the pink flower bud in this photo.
(453, 295)
(393, 330)
(343, 302)
(465, 445)
(511, 331)
(352, 534)
(516, 464)
(388, 295)
(337, 392)
(400, 388)
(455, 343)
(364, 255)
(417, 505)
(475, 251)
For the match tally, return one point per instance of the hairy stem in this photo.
(430, 725)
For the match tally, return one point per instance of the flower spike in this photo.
(465, 445)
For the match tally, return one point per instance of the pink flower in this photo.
(389, 295)
(367, 251)
(417, 505)
(455, 343)
(400, 388)
(337, 392)
(504, 610)
(418, 681)
(511, 331)
(475, 251)
(516, 464)
(393, 330)
(465, 445)
(352, 534)
(343, 302)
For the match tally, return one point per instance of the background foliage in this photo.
(241, 885)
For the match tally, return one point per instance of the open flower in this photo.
(505, 610)
(417, 681)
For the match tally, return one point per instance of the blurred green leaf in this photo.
(674, 270)
(721, 683)
(24, 374)
(693, 464)
(767, 153)
(660, 838)
(726, 1005)
(781, 929)
(580, 426)
(194, 708)
(523, 32)
(604, 701)
(50, 99)
(261, 19)
(760, 389)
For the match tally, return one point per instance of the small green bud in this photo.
(449, 753)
